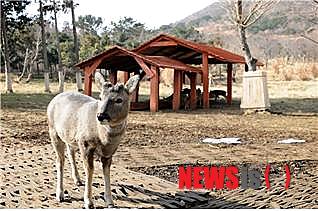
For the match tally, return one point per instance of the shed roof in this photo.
(187, 51)
(118, 58)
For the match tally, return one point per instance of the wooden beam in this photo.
(229, 84)
(205, 80)
(177, 86)
(187, 55)
(113, 77)
(193, 92)
(87, 83)
(197, 61)
(154, 90)
(177, 54)
(90, 69)
(101, 57)
(145, 68)
(163, 44)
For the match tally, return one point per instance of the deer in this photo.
(95, 127)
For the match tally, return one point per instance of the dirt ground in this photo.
(144, 172)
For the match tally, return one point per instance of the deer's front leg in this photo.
(106, 170)
(88, 159)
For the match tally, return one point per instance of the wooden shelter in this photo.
(190, 52)
(119, 59)
(164, 51)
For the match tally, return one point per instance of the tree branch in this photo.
(308, 38)
(256, 10)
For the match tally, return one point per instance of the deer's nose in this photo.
(101, 117)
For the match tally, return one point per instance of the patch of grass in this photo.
(25, 100)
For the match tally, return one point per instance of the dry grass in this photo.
(288, 70)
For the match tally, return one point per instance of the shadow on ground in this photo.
(182, 199)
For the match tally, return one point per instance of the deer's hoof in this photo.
(110, 206)
(89, 206)
(60, 197)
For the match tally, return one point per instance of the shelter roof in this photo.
(118, 58)
(187, 51)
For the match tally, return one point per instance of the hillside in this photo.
(279, 33)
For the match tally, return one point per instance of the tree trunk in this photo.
(4, 40)
(76, 50)
(61, 81)
(250, 61)
(25, 64)
(29, 75)
(79, 80)
(44, 52)
(47, 81)
(60, 65)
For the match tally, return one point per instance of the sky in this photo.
(153, 13)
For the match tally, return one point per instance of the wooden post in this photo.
(154, 90)
(193, 93)
(205, 75)
(229, 84)
(126, 76)
(135, 94)
(113, 77)
(177, 85)
(88, 83)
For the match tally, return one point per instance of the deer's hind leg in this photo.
(59, 148)
(71, 157)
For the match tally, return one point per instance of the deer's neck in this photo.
(111, 133)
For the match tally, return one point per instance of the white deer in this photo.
(94, 126)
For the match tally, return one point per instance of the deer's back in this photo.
(72, 116)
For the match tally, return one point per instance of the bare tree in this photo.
(243, 17)
(4, 42)
(76, 48)
(44, 51)
(60, 65)
(34, 55)
(309, 38)
(25, 64)
(305, 35)
(31, 55)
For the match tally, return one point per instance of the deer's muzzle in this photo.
(101, 117)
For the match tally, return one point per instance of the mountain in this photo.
(280, 32)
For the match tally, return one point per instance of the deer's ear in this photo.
(132, 83)
(99, 80)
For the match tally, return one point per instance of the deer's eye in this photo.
(119, 100)
(107, 85)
